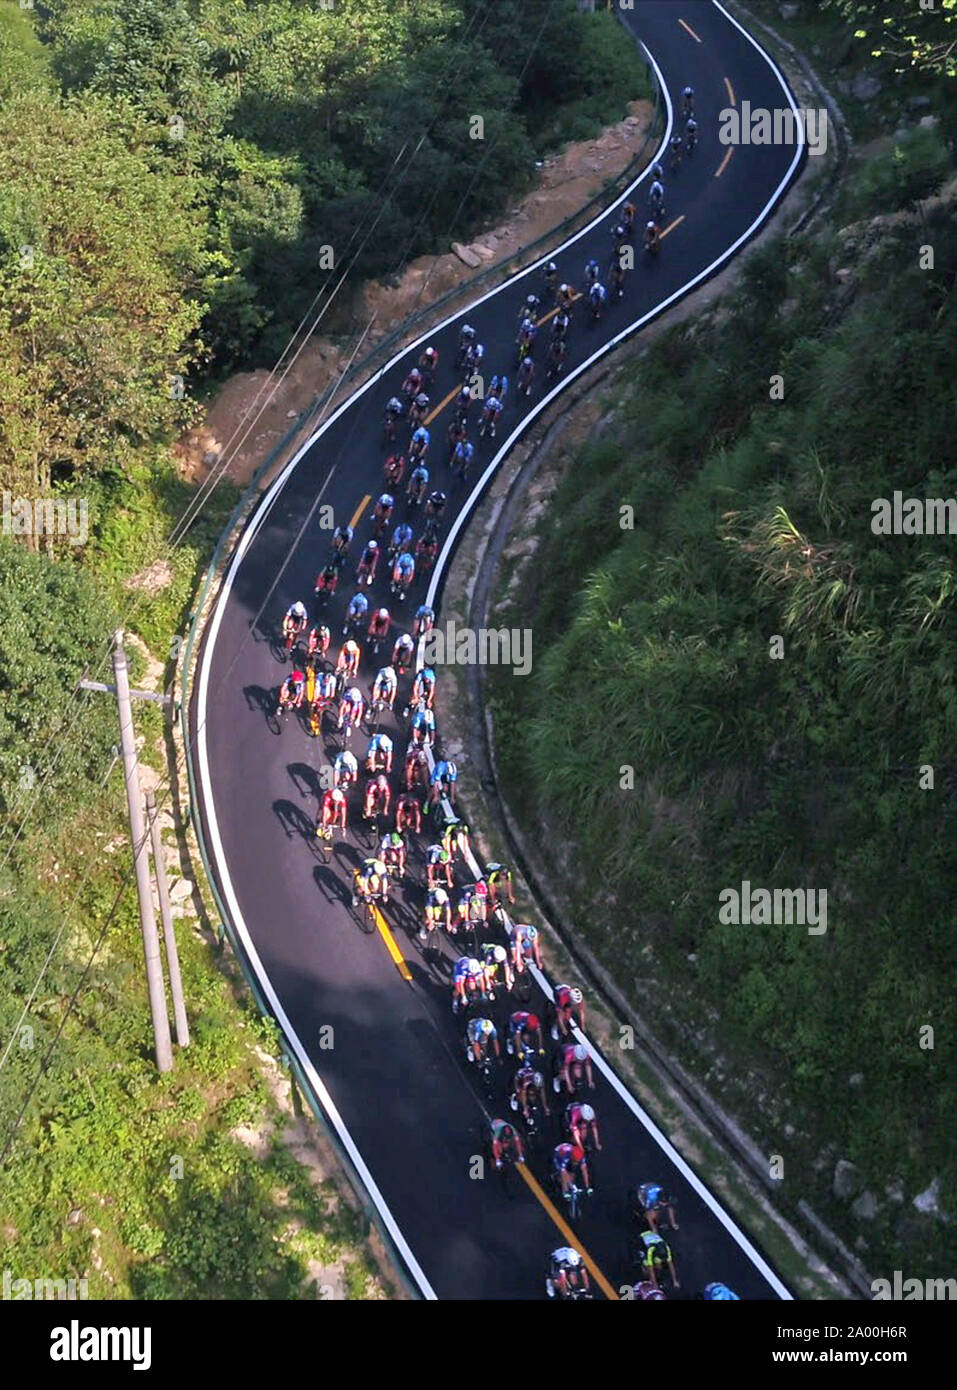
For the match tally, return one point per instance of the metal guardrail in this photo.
(373, 361)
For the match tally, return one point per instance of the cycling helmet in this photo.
(324, 634)
(388, 673)
(467, 331)
(580, 1053)
(441, 897)
(532, 1022)
(378, 867)
(531, 300)
(657, 172)
(588, 1114)
(619, 230)
(720, 1293)
(386, 500)
(382, 613)
(573, 1258)
(353, 694)
(396, 840)
(451, 771)
(372, 545)
(578, 1154)
(297, 677)
(498, 954)
(575, 995)
(649, 227)
(508, 1132)
(551, 267)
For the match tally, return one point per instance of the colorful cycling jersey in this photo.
(482, 1030)
(346, 764)
(656, 1251)
(395, 406)
(563, 997)
(424, 719)
(523, 933)
(498, 386)
(518, 1023)
(421, 438)
(649, 1194)
(419, 476)
(353, 698)
(386, 680)
(443, 772)
(568, 1054)
(297, 611)
(720, 1293)
(379, 743)
(435, 854)
(333, 799)
(386, 502)
(493, 406)
(648, 1291)
(401, 536)
(467, 968)
(424, 683)
(325, 686)
(562, 1159)
(597, 293)
(464, 399)
(528, 1076)
(498, 1127)
(294, 683)
(656, 190)
(424, 614)
(436, 901)
(358, 607)
(405, 564)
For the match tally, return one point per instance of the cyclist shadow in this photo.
(294, 820)
(265, 702)
(332, 879)
(305, 779)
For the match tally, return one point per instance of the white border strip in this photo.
(212, 824)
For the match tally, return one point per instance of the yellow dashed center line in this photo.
(724, 163)
(360, 509)
(390, 945)
(672, 225)
(571, 1239)
(442, 404)
(731, 96)
(688, 29)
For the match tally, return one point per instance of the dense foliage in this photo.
(753, 519)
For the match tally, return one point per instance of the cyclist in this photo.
(295, 620)
(566, 1273)
(394, 412)
(424, 619)
(566, 298)
(472, 905)
(462, 455)
(574, 1066)
(628, 214)
(505, 1143)
(368, 561)
(341, 540)
(468, 977)
(371, 881)
(379, 625)
(423, 687)
(351, 709)
(652, 237)
(412, 384)
(444, 777)
(419, 409)
(428, 362)
(333, 810)
(382, 513)
(526, 373)
(466, 339)
(435, 506)
(719, 1293)
(462, 406)
(416, 767)
(582, 1125)
(392, 853)
(403, 573)
(596, 297)
(408, 814)
(324, 693)
(495, 958)
(569, 1007)
(356, 613)
(492, 410)
(378, 797)
(687, 101)
(618, 278)
(655, 1257)
(345, 770)
(648, 1292)
(550, 276)
(401, 539)
(498, 386)
(475, 356)
(480, 1035)
(455, 837)
(499, 879)
(524, 1035)
(652, 1199)
(675, 151)
(423, 726)
(569, 1162)
(419, 444)
(394, 469)
(561, 324)
(592, 272)
(523, 939)
(427, 546)
(530, 1090)
(292, 690)
(657, 172)
(531, 308)
(347, 662)
(379, 754)
(438, 863)
(556, 358)
(619, 236)
(656, 199)
(317, 643)
(526, 339)
(327, 581)
(418, 482)
(438, 912)
(691, 134)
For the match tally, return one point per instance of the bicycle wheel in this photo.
(367, 919)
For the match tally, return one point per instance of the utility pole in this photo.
(169, 935)
(151, 948)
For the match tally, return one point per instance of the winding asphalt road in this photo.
(394, 1083)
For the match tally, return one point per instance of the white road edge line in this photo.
(216, 846)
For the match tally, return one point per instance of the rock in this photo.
(894, 1191)
(917, 103)
(789, 12)
(865, 1208)
(180, 890)
(846, 1179)
(75, 1217)
(928, 122)
(865, 86)
(291, 414)
(789, 1131)
(486, 252)
(466, 255)
(927, 1201)
(858, 1077)
(692, 958)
